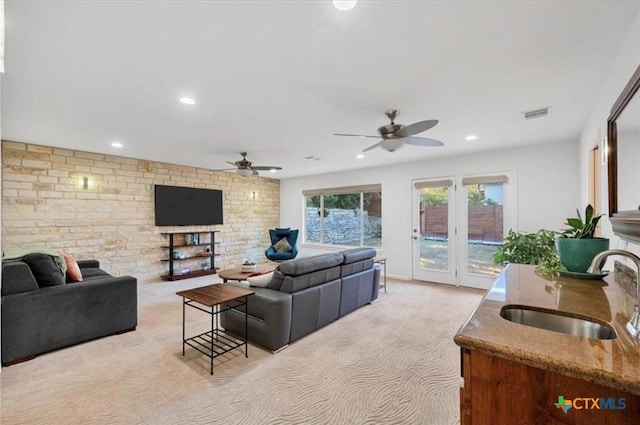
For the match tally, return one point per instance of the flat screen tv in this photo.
(184, 206)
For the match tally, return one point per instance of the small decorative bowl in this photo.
(248, 268)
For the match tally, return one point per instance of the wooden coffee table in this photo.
(239, 275)
(218, 298)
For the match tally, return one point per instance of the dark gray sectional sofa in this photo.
(306, 294)
(36, 320)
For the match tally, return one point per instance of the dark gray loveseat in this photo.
(306, 294)
(36, 320)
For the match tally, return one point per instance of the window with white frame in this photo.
(347, 216)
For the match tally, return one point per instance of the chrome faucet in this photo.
(633, 327)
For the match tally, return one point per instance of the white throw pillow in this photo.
(261, 281)
(282, 246)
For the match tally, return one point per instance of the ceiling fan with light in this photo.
(246, 168)
(394, 136)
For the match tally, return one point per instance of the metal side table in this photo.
(215, 342)
(382, 261)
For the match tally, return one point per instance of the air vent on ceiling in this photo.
(536, 113)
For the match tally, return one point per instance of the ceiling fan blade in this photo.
(265, 167)
(354, 135)
(422, 141)
(415, 128)
(232, 163)
(372, 146)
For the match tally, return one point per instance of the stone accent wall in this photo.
(112, 220)
(342, 227)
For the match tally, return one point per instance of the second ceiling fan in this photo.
(394, 136)
(245, 168)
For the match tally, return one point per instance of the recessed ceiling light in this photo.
(117, 145)
(187, 101)
(360, 156)
(344, 5)
(471, 137)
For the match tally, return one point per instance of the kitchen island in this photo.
(519, 374)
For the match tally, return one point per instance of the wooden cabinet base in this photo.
(503, 392)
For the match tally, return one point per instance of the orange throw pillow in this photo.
(73, 269)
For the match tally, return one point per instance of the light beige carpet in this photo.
(393, 362)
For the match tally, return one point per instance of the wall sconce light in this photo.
(254, 195)
(2, 36)
(83, 183)
(604, 151)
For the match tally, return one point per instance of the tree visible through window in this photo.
(348, 219)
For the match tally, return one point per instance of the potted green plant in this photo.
(530, 248)
(578, 244)
(249, 265)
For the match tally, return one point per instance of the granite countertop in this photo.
(614, 363)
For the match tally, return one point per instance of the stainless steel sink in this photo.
(557, 322)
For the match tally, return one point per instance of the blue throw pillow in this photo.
(44, 269)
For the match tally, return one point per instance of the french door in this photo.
(457, 227)
(434, 244)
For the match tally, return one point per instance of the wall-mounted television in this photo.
(184, 206)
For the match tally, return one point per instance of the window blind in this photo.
(485, 179)
(343, 190)
(434, 183)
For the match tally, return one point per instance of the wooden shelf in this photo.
(188, 233)
(191, 253)
(193, 244)
(187, 246)
(195, 273)
(191, 257)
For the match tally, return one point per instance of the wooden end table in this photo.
(239, 275)
(215, 342)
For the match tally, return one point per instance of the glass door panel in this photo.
(434, 228)
(433, 232)
(485, 224)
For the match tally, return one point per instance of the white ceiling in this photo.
(277, 78)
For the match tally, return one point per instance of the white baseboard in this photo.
(396, 276)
